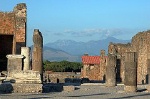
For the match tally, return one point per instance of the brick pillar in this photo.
(25, 51)
(130, 83)
(111, 71)
(37, 54)
(20, 11)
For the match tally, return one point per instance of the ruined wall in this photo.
(14, 23)
(119, 49)
(141, 44)
(91, 72)
(7, 23)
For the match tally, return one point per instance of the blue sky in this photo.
(83, 20)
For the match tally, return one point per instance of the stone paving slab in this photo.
(84, 92)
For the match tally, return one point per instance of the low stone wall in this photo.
(28, 76)
(59, 77)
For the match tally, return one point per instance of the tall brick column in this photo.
(111, 71)
(130, 83)
(37, 54)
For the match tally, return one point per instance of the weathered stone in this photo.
(27, 88)
(111, 71)
(141, 44)
(14, 63)
(130, 72)
(6, 88)
(37, 54)
(25, 51)
(12, 33)
(68, 88)
(25, 77)
(102, 68)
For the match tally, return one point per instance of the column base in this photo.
(130, 88)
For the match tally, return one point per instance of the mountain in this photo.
(80, 48)
(52, 54)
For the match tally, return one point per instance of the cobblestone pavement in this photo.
(84, 92)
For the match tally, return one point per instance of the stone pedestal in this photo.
(111, 71)
(14, 62)
(27, 88)
(25, 51)
(130, 83)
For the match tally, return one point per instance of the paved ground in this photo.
(84, 92)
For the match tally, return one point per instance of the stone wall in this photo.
(141, 44)
(14, 23)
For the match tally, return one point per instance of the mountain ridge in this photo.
(79, 48)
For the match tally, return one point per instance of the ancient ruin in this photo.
(94, 67)
(139, 44)
(15, 57)
(111, 71)
(130, 72)
(12, 33)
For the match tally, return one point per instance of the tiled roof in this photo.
(91, 59)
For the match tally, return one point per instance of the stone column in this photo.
(37, 54)
(102, 68)
(14, 63)
(130, 83)
(111, 71)
(25, 51)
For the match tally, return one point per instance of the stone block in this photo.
(27, 88)
(68, 88)
(51, 87)
(6, 88)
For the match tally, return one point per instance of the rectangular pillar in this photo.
(111, 71)
(130, 83)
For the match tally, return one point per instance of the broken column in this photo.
(111, 71)
(25, 51)
(37, 54)
(130, 83)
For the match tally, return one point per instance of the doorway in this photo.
(6, 46)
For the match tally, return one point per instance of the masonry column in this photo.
(25, 51)
(102, 69)
(111, 71)
(37, 54)
(130, 83)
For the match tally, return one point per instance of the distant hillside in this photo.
(52, 54)
(80, 48)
